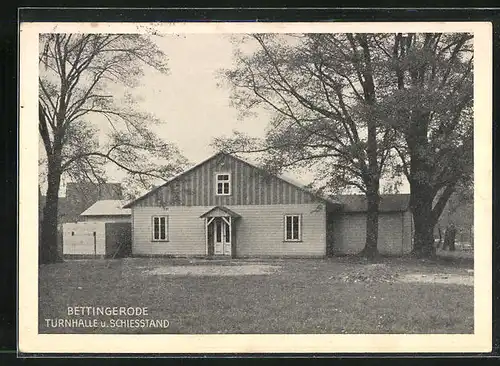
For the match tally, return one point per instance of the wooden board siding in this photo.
(349, 233)
(186, 232)
(249, 186)
(259, 231)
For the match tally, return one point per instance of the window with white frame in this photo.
(160, 228)
(223, 184)
(293, 227)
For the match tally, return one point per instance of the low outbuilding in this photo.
(103, 230)
(348, 225)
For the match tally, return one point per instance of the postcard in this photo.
(245, 187)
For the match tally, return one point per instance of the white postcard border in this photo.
(31, 342)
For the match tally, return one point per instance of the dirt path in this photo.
(214, 270)
(447, 279)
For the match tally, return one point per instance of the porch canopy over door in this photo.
(227, 216)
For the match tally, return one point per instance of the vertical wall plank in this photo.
(249, 186)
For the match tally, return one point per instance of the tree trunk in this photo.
(421, 189)
(421, 205)
(49, 251)
(440, 242)
(449, 238)
(372, 179)
(370, 250)
(471, 237)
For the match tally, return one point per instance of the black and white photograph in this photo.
(277, 187)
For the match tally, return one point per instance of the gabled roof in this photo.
(218, 210)
(298, 186)
(388, 202)
(107, 208)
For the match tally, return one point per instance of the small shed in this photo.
(103, 230)
(348, 226)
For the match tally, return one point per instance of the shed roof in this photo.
(107, 208)
(388, 202)
(220, 211)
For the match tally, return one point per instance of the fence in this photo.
(97, 239)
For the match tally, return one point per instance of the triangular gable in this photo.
(261, 171)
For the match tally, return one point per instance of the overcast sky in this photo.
(194, 108)
(190, 102)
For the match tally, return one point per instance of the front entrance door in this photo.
(222, 235)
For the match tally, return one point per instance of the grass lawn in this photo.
(301, 297)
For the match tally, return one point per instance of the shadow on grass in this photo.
(441, 259)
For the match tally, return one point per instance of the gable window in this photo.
(160, 228)
(293, 227)
(223, 184)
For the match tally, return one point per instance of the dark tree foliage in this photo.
(356, 108)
